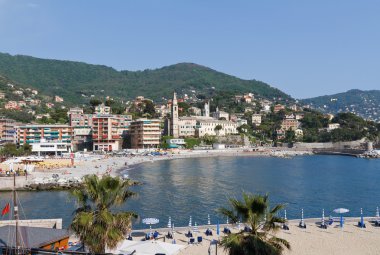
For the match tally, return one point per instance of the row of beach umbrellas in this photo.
(340, 211)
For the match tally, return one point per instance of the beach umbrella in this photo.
(195, 228)
(302, 220)
(150, 222)
(361, 218)
(341, 211)
(377, 212)
(323, 217)
(170, 222)
(208, 219)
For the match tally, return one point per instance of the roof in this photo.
(31, 237)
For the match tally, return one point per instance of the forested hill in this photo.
(77, 80)
(364, 103)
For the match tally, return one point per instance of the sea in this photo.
(197, 187)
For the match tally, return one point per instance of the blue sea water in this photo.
(183, 187)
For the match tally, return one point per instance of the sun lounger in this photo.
(361, 225)
(208, 232)
(302, 225)
(226, 231)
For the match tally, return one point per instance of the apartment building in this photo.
(145, 133)
(108, 131)
(7, 131)
(46, 139)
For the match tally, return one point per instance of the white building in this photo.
(102, 109)
(256, 119)
(176, 143)
(47, 148)
(241, 122)
(333, 126)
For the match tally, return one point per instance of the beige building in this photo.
(289, 124)
(207, 127)
(145, 133)
(256, 119)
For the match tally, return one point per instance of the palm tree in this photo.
(94, 222)
(260, 239)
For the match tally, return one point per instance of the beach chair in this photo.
(285, 227)
(247, 229)
(155, 234)
(302, 225)
(199, 239)
(226, 231)
(360, 225)
(192, 240)
(377, 223)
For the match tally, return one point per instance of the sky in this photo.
(305, 48)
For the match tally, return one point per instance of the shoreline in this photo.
(65, 177)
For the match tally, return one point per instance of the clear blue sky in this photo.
(305, 48)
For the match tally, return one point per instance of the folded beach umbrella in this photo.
(170, 222)
(227, 221)
(208, 219)
(302, 220)
(190, 222)
(285, 215)
(195, 228)
(217, 228)
(377, 212)
(323, 217)
(361, 218)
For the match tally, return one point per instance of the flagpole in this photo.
(15, 211)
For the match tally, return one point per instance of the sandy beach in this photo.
(114, 165)
(313, 240)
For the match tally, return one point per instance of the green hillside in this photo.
(364, 103)
(76, 81)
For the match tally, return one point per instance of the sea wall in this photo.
(41, 223)
(6, 183)
(359, 144)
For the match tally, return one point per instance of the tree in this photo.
(94, 222)
(260, 239)
(217, 129)
(149, 108)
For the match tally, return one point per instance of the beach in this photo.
(114, 165)
(310, 241)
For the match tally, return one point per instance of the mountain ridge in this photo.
(75, 79)
(365, 103)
